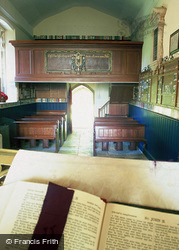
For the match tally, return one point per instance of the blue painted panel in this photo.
(51, 106)
(18, 111)
(28, 109)
(162, 134)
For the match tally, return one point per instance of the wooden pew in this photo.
(48, 118)
(38, 130)
(61, 113)
(100, 121)
(119, 133)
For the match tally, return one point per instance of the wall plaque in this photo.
(174, 42)
(78, 61)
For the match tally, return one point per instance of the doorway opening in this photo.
(82, 108)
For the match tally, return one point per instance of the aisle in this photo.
(80, 142)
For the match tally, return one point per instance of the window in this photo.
(155, 44)
(158, 18)
(7, 61)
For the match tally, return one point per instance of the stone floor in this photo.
(80, 142)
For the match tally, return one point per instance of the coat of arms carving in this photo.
(78, 62)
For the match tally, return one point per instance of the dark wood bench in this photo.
(113, 120)
(60, 113)
(119, 133)
(38, 130)
(51, 116)
(48, 118)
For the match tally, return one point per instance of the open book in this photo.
(91, 223)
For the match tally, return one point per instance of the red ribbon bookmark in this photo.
(52, 220)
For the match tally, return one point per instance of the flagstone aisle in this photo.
(80, 142)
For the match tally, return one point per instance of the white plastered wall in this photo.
(82, 21)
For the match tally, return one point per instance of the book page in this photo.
(84, 221)
(5, 194)
(83, 224)
(23, 208)
(127, 227)
(21, 213)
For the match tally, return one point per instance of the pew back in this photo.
(58, 113)
(119, 133)
(50, 119)
(38, 130)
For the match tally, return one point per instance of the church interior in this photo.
(92, 60)
(90, 97)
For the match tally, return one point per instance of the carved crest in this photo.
(78, 62)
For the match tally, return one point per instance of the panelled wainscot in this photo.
(77, 61)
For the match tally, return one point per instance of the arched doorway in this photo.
(82, 107)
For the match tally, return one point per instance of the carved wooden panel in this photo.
(119, 62)
(120, 132)
(39, 63)
(121, 94)
(119, 109)
(34, 130)
(24, 62)
(132, 62)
